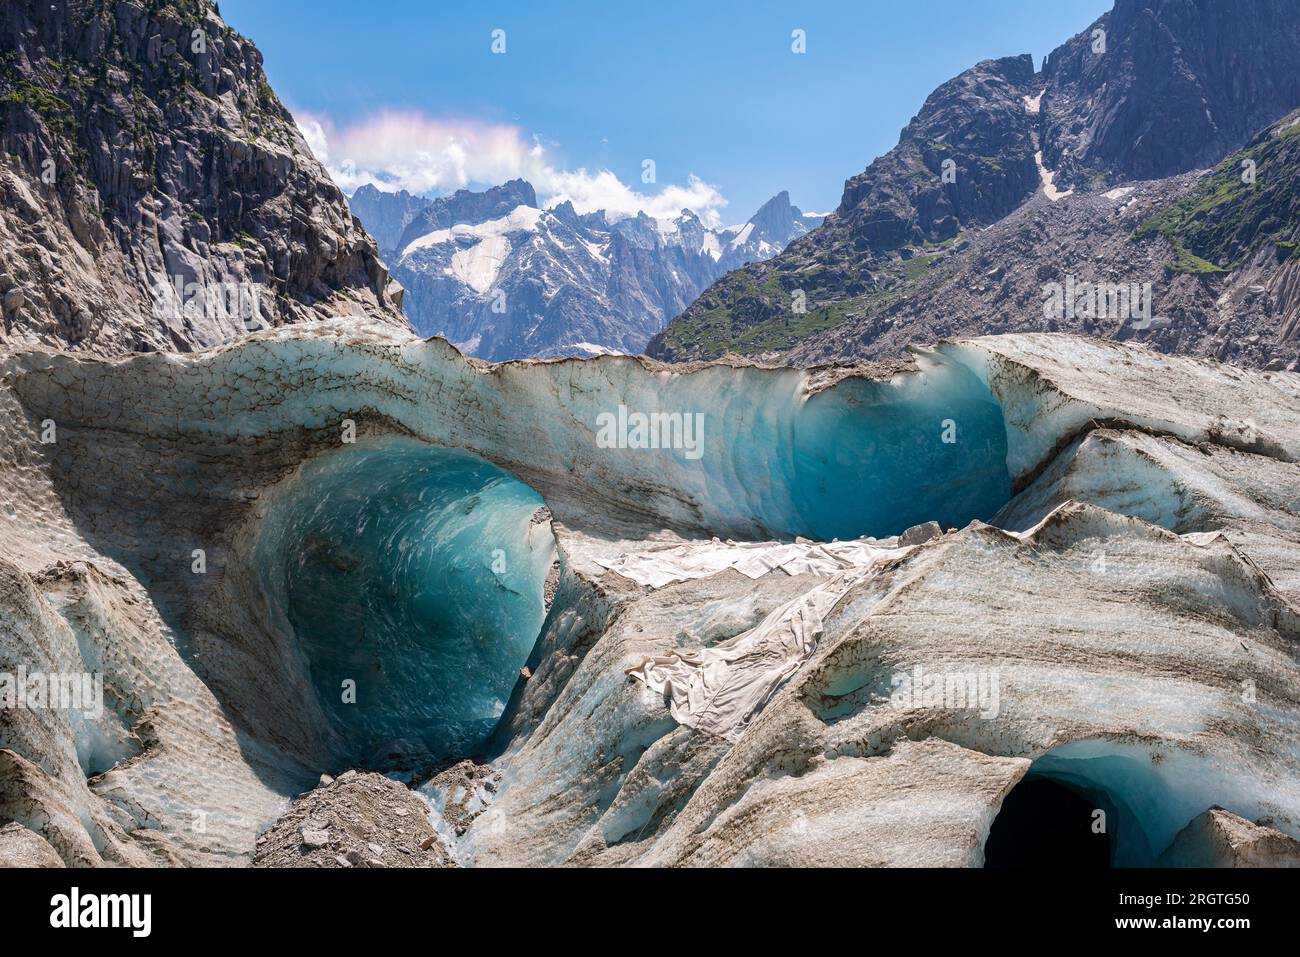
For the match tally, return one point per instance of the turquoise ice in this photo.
(413, 576)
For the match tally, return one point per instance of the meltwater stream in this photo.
(412, 577)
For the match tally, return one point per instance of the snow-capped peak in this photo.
(505, 278)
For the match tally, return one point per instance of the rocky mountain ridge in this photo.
(157, 195)
(385, 214)
(503, 278)
(1214, 257)
(1154, 88)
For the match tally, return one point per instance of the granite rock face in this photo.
(978, 120)
(1125, 622)
(1056, 165)
(1210, 257)
(157, 195)
(1168, 86)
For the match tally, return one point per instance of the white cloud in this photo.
(408, 150)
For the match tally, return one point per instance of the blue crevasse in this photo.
(873, 458)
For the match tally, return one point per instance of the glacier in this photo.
(1117, 550)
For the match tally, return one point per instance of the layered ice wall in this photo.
(781, 452)
(874, 458)
(327, 562)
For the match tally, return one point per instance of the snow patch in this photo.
(479, 265)
(598, 251)
(743, 235)
(593, 349)
(519, 219)
(667, 228)
(1047, 176)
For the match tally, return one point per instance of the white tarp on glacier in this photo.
(752, 559)
(722, 688)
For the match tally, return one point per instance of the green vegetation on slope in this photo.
(1227, 218)
(753, 312)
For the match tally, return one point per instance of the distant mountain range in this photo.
(1010, 182)
(503, 278)
(1158, 148)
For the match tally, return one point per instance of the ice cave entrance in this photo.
(412, 578)
(1093, 803)
(1046, 824)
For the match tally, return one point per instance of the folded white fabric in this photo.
(721, 689)
(752, 559)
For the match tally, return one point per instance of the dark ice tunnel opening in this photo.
(1050, 818)
(412, 577)
(1045, 824)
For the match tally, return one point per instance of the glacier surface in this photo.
(1119, 563)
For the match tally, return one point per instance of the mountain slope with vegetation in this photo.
(1154, 88)
(1216, 252)
(975, 126)
(1251, 200)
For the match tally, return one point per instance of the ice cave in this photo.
(368, 605)
(1100, 803)
(1044, 823)
(874, 458)
(412, 577)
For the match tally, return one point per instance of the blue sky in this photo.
(409, 91)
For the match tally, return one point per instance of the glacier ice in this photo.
(412, 577)
(1122, 554)
(875, 458)
(1146, 795)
